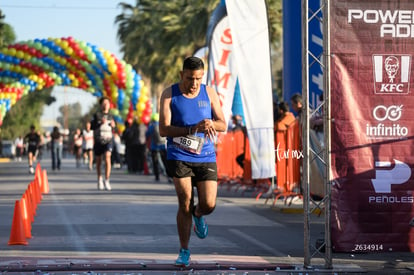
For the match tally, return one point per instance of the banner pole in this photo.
(305, 134)
(327, 132)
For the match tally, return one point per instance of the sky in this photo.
(86, 20)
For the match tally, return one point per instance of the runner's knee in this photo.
(205, 208)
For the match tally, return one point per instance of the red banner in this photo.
(372, 47)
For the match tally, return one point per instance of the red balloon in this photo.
(145, 119)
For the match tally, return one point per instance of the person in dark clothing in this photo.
(130, 138)
(57, 148)
(158, 146)
(33, 141)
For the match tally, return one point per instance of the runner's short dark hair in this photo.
(102, 99)
(193, 63)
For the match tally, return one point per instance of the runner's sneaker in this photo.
(183, 258)
(107, 185)
(31, 170)
(200, 227)
(100, 184)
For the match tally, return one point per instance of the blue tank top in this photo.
(186, 112)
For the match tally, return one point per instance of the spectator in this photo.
(285, 118)
(130, 138)
(77, 146)
(19, 143)
(315, 120)
(142, 149)
(158, 146)
(239, 126)
(57, 148)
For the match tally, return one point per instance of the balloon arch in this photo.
(36, 64)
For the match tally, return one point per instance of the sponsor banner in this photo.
(222, 71)
(248, 22)
(292, 48)
(372, 47)
(292, 51)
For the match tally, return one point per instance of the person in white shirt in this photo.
(19, 143)
(77, 146)
(87, 135)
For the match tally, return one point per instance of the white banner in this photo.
(222, 72)
(248, 22)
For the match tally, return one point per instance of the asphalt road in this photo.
(132, 230)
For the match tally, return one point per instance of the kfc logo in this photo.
(392, 74)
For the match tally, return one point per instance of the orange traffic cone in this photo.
(36, 186)
(38, 170)
(39, 179)
(33, 199)
(17, 235)
(26, 217)
(45, 186)
(29, 204)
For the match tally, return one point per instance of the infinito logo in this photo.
(392, 113)
(391, 74)
(382, 130)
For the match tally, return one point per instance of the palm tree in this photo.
(156, 36)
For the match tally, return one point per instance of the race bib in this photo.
(190, 143)
(105, 133)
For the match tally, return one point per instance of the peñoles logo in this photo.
(385, 177)
(391, 74)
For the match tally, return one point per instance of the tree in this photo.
(71, 116)
(156, 36)
(25, 112)
(7, 35)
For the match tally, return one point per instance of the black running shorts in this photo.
(100, 149)
(200, 171)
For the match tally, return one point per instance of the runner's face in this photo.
(191, 80)
(105, 105)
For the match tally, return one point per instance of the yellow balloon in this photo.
(141, 106)
(19, 54)
(144, 90)
(69, 51)
(114, 96)
(143, 98)
(64, 44)
(112, 68)
(121, 127)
